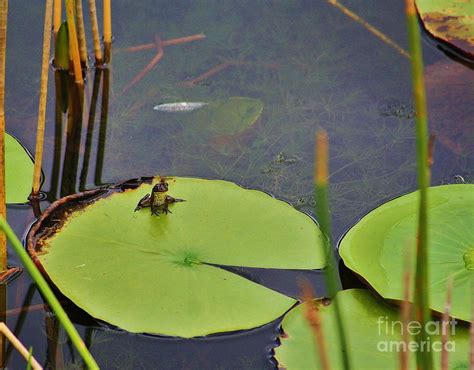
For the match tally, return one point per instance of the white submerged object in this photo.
(179, 107)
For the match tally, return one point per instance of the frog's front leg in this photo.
(143, 203)
(155, 209)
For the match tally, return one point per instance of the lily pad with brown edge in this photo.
(376, 248)
(18, 171)
(161, 274)
(450, 21)
(224, 123)
(373, 336)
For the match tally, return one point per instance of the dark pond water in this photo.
(308, 64)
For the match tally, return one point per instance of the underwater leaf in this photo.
(18, 171)
(373, 336)
(376, 246)
(230, 116)
(158, 274)
(223, 125)
(451, 21)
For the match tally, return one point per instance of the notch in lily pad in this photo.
(161, 275)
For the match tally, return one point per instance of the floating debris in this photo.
(280, 160)
(179, 107)
(396, 108)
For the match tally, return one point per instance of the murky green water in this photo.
(308, 64)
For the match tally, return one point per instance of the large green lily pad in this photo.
(375, 248)
(451, 21)
(371, 342)
(158, 274)
(18, 171)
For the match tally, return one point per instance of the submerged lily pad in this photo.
(451, 21)
(376, 246)
(373, 332)
(223, 124)
(159, 274)
(230, 116)
(18, 171)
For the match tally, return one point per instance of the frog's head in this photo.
(161, 187)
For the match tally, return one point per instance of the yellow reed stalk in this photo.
(18, 345)
(95, 32)
(107, 30)
(3, 49)
(73, 44)
(43, 95)
(370, 28)
(57, 16)
(81, 33)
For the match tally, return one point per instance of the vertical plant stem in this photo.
(48, 295)
(405, 315)
(81, 33)
(57, 16)
(321, 180)
(421, 297)
(445, 325)
(3, 50)
(73, 44)
(90, 130)
(102, 128)
(43, 95)
(107, 30)
(313, 318)
(95, 32)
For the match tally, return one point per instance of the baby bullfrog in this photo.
(158, 200)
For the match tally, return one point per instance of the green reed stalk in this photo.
(421, 297)
(48, 295)
(331, 277)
